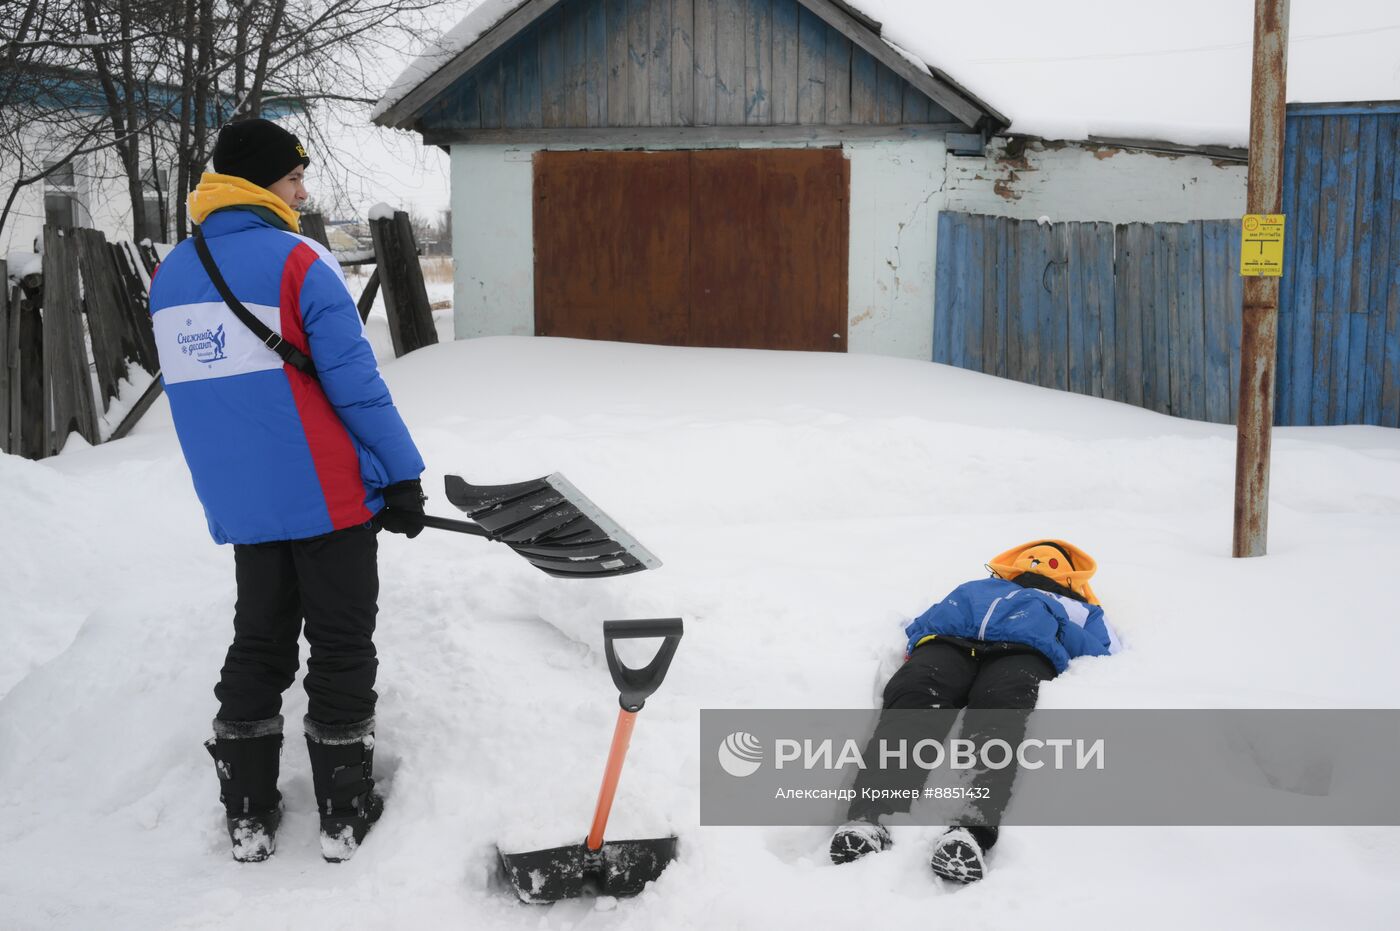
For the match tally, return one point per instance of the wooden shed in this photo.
(734, 173)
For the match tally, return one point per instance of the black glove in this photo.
(403, 508)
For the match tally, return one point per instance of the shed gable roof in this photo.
(495, 24)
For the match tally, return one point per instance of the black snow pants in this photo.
(950, 674)
(330, 581)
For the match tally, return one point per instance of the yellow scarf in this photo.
(216, 191)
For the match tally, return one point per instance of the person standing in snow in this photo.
(987, 645)
(297, 467)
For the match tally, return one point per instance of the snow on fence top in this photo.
(381, 211)
(1076, 68)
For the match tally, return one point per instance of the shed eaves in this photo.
(416, 85)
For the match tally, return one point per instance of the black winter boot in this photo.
(342, 771)
(960, 853)
(245, 756)
(856, 839)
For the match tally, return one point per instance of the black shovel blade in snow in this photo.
(552, 524)
(620, 868)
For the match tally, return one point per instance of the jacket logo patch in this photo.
(206, 346)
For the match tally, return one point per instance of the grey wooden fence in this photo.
(400, 274)
(1147, 314)
(70, 335)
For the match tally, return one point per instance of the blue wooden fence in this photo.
(1339, 320)
(1147, 314)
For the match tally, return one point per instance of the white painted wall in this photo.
(103, 200)
(897, 189)
(896, 193)
(894, 217)
(1081, 181)
(493, 247)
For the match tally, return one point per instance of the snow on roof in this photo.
(1178, 71)
(1076, 68)
(475, 24)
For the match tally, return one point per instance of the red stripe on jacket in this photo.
(332, 451)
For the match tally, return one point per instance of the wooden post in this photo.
(68, 403)
(138, 410)
(104, 312)
(5, 370)
(401, 277)
(314, 226)
(136, 305)
(368, 295)
(27, 352)
(1259, 337)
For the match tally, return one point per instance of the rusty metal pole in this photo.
(1259, 340)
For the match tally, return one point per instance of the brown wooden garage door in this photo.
(735, 248)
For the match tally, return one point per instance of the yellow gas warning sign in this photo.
(1261, 244)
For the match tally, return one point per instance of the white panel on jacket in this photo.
(202, 341)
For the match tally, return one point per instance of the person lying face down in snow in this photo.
(987, 645)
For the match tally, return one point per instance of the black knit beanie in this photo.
(258, 151)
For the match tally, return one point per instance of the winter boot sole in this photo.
(850, 844)
(958, 860)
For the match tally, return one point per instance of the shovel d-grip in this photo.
(615, 867)
(634, 687)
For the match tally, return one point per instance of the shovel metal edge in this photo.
(604, 522)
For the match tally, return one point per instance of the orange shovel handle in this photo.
(622, 736)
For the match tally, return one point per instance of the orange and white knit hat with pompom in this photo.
(1058, 560)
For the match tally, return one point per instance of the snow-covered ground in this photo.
(804, 506)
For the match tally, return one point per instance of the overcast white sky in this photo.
(1064, 69)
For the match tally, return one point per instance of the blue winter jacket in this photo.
(996, 610)
(273, 454)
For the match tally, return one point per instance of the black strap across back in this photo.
(288, 353)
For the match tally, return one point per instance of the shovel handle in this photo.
(634, 686)
(459, 526)
(622, 736)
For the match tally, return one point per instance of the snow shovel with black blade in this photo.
(549, 522)
(616, 867)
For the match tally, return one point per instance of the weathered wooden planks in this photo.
(27, 404)
(1335, 333)
(785, 62)
(638, 86)
(68, 400)
(1389, 285)
(706, 36)
(103, 308)
(660, 63)
(758, 61)
(1137, 313)
(7, 369)
(811, 68)
(401, 277)
(683, 63)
